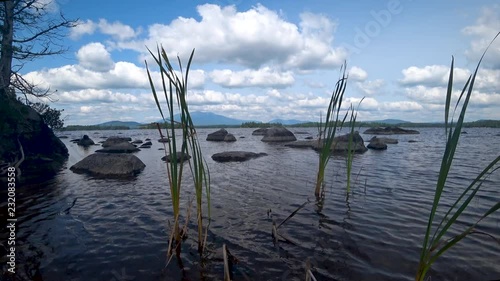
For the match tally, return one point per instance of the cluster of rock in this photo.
(113, 160)
(339, 144)
(221, 135)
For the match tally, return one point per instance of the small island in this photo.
(391, 130)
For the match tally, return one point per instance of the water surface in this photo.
(118, 229)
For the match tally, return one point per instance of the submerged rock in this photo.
(164, 140)
(137, 141)
(391, 130)
(109, 165)
(236, 156)
(278, 134)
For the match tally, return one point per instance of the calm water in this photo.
(118, 229)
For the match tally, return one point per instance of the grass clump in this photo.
(328, 129)
(440, 241)
(174, 88)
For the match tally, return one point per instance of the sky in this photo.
(261, 60)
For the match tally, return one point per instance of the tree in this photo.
(50, 116)
(29, 29)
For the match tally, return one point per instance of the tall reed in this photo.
(436, 245)
(350, 148)
(328, 129)
(174, 88)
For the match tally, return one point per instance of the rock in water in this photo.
(85, 141)
(180, 156)
(229, 138)
(377, 144)
(278, 134)
(122, 147)
(236, 156)
(340, 144)
(259, 132)
(388, 140)
(391, 130)
(109, 165)
(217, 135)
(115, 140)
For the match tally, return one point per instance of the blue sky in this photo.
(274, 59)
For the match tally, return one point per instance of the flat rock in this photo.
(236, 156)
(278, 134)
(122, 147)
(137, 141)
(386, 140)
(259, 132)
(391, 130)
(164, 140)
(218, 135)
(109, 165)
(180, 156)
(111, 141)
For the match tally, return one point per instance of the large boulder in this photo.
(109, 165)
(22, 131)
(278, 134)
(259, 132)
(377, 144)
(219, 135)
(122, 147)
(85, 141)
(236, 156)
(179, 156)
(341, 143)
(111, 141)
(391, 130)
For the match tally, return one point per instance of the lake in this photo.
(119, 229)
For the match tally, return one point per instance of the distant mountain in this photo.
(388, 121)
(211, 119)
(131, 124)
(288, 121)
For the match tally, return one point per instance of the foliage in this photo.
(50, 116)
(29, 29)
(175, 92)
(327, 130)
(436, 245)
